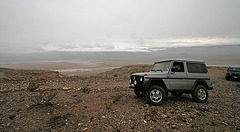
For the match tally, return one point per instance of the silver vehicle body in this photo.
(193, 72)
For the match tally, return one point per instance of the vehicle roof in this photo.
(185, 60)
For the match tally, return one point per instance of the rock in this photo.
(164, 116)
(66, 88)
(79, 124)
(9, 124)
(133, 126)
(183, 114)
(214, 123)
(203, 109)
(78, 101)
(192, 117)
(73, 122)
(18, 110)
(173, 126)
(146, 105)
(117, 130)
(21, 100)
(154, 120)
(224, 123)
(11, 117)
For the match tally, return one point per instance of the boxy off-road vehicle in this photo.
(233, 73)
(176, 76)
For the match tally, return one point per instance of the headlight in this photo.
(135, 82)
(141, 79)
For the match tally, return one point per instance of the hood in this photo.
(152, 74)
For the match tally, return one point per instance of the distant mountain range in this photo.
(213, 55)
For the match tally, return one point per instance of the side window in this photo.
(196, 68)
(177, 67)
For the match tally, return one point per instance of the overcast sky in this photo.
(116, 25)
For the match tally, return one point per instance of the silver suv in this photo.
(176, 76)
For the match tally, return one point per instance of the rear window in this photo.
(233, 69)
(196, 68)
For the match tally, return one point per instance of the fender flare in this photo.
(148, 83)
(201, 81)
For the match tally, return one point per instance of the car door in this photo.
(178, 76)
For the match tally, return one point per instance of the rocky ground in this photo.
(33, 100)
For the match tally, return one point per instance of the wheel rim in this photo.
(156, 95)
(202, 94)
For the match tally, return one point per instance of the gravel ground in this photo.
(105, 103)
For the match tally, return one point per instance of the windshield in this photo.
(234, 69)
(161, 66)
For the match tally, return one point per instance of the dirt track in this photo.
(105, 103)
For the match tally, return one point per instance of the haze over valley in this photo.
(56, 35)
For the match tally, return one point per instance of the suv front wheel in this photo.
(139, 93)
(200, 94)
(155, 95)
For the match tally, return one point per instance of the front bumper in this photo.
(210, 88)
(233, 77)
(131, 86)
(139, 87)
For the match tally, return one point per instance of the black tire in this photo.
(155, 95)
(227, 78)
(177, 94)
(200, 94)
(139, 93)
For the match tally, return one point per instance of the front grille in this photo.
(137, 78)
(235, 74)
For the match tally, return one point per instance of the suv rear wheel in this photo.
(200, 94)
(155, 95)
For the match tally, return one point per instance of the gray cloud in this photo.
(29, 26)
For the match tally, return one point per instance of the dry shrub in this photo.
(42, 78)
(86, 90)
(33, 86)
(6, 78)
(109, 106)
(43, 98)
(115, 98)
